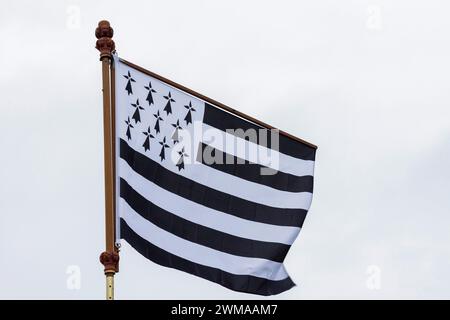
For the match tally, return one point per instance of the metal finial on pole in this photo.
(109, 258)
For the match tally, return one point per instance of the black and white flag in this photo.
(204, 191)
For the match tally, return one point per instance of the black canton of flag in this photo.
(220, 220)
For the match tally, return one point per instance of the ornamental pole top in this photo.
(105, 43)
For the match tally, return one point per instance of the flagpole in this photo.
(110, 257)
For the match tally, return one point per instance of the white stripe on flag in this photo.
(245, 189)
(205, 216)
(200, 254)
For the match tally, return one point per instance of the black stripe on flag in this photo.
(247, 170)
(200, 234)
(207, 196)
(223, 120)
(242, 283)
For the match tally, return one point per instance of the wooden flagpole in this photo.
(110, 257)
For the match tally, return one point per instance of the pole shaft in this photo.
(108, 156)
(110, 257)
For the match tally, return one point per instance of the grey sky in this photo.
(367, 81)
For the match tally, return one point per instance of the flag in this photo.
(203, 190)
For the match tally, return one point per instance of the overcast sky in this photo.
(367, 81)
